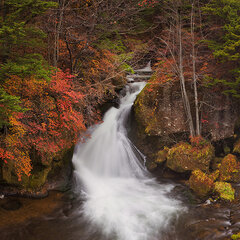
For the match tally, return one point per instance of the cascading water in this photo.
(121, 198)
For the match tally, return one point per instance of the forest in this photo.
(80, 111)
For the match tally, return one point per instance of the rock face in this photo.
(39, 175)
(200, 183)
(160, 111)
(184, 157)
(219, 115)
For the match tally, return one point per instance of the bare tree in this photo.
(194, 70)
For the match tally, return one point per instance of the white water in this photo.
(121, 198)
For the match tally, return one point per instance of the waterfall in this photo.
(120, 196)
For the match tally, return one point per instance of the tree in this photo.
(177, 39)
(18, 39)
(224, 41)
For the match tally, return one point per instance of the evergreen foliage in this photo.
(226, 46)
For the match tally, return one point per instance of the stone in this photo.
(200, 183)
(151, 166)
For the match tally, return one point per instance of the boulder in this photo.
(201, 183)
(184, 157)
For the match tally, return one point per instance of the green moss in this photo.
(225, 190)
(149, 120)
(36, 180)
(200, 183)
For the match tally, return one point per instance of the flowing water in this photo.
(121, 198)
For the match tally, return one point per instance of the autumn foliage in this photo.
(52, 120)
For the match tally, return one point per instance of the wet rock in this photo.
(183, 157)
(200, 183)
(151, 166)
(11, 205)
(224, 190)
(35, 180)
(230, 169)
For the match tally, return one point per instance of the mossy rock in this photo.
(147, 122)
(162, 156)
(200, 183)
(159, 110)
(230, 169)
(151, 166)
(224, 190)
(236, 148)
(35, 181)
(119, 82)
(226, 150)
(184, 157)
(235, 236)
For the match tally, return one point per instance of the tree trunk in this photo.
(182, 82)
(194, 72)
(57, 33)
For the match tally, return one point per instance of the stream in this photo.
(114, 197)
